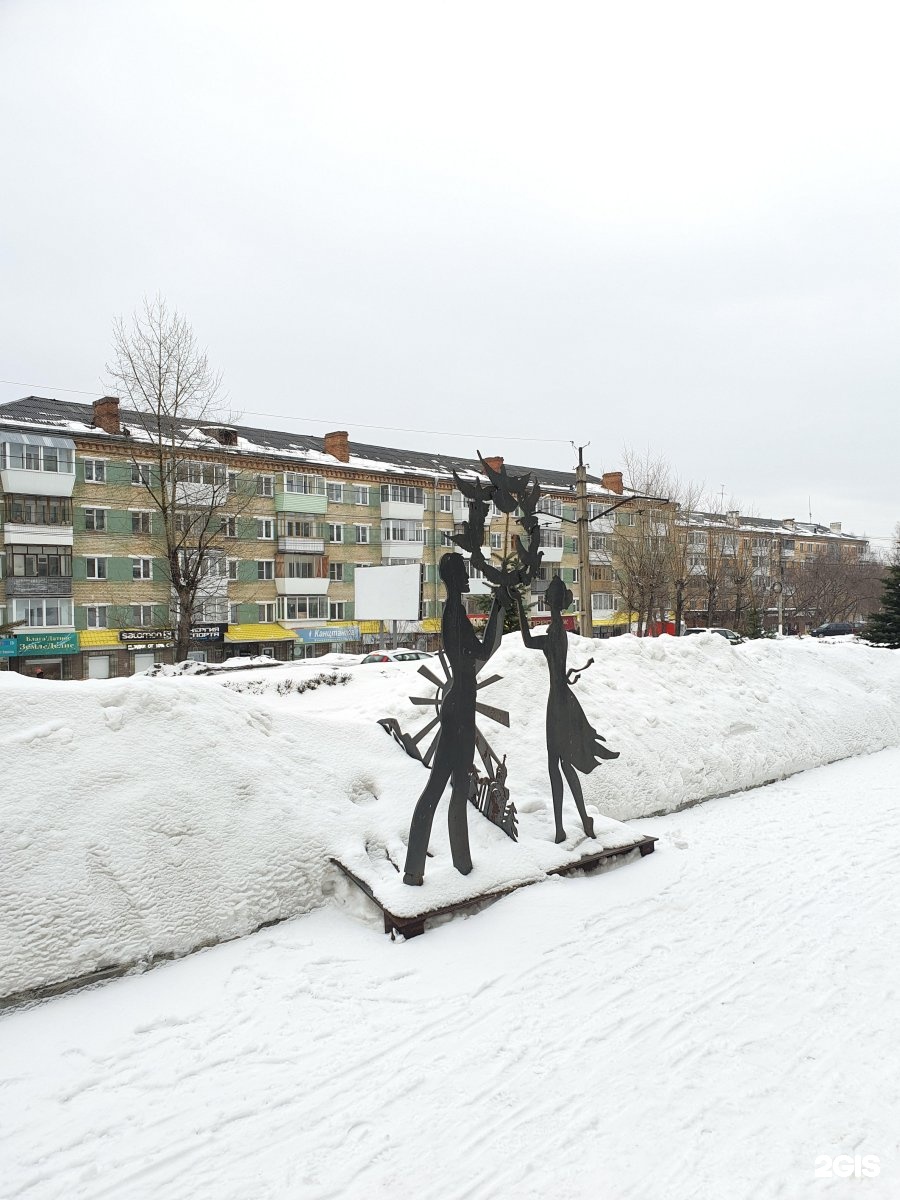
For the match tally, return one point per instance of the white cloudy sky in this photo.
(664, 225)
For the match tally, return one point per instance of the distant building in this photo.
(85, 572)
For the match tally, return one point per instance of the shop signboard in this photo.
(334, 633)
(7, 647)
(208, 633)
(46, 643)
(146, 635)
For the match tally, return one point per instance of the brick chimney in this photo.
(835, 527)
(733, 517)
(337, 445)
(612, 481)
(106, 414)
(495, 463)
(789, 523)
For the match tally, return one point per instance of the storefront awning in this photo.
(93, 639)
(258, 633)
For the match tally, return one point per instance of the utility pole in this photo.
(779, 586)
(586, 620)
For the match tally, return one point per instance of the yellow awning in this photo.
(258, 633)
(619, 618)
(90, 639)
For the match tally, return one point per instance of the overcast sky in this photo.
(671, 226)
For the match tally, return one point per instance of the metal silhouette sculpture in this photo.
(465, 655)
(485, 792)
(572, 742)
(455, 747)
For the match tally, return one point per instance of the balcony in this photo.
(599, 556)
(16, 533)
(300, 545)
(39, 585)
(33, 463)
(293, 586)
(400, 510)
(392, 550)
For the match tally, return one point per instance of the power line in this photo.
(323, 420)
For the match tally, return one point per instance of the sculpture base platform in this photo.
(407, 910)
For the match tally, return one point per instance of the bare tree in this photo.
(166, 382)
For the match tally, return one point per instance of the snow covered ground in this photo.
(149, 816)
(716, 1022)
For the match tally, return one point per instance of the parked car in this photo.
(401, 655)
(732, 636)
(833, 629)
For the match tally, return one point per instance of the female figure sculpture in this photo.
(455, 750)
(572, 742)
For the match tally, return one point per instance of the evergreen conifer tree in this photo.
(883, 627)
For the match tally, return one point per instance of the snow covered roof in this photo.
(786, 527)
(77, 418)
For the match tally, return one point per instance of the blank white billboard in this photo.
(386, 593)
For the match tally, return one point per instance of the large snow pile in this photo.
(148, 816)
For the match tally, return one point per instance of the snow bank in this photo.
(149, 816)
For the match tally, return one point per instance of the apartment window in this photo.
(599, 542)
(265, 612)
(199, 472)
(336, 493)
(265, 485)
(303, 608)
(401, 493)
(336, 572)
(447, 537)
(140, 521)
(214, 610)
(95, 568)
(97, 616)
(231, 567)
(362, 533)
(625, 518)
(229, 527)
(446, 503)
(295, 528)
(402, 531)
(265, 568)
(335, 533)
(232, 614)
(576, 574)
(496, 540)
(303, 568)
(304, 485)
(35, 562)
(603, 602)
(95, 520)
(140, 474)
(94, 470)
(142, 568)
(265, 528)
(336, 610)
(38, 510)
(551, 538)
(233, 482)
(551, 506)
(360, 495)
(141, 615)
(38, 612)
(214, 566)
